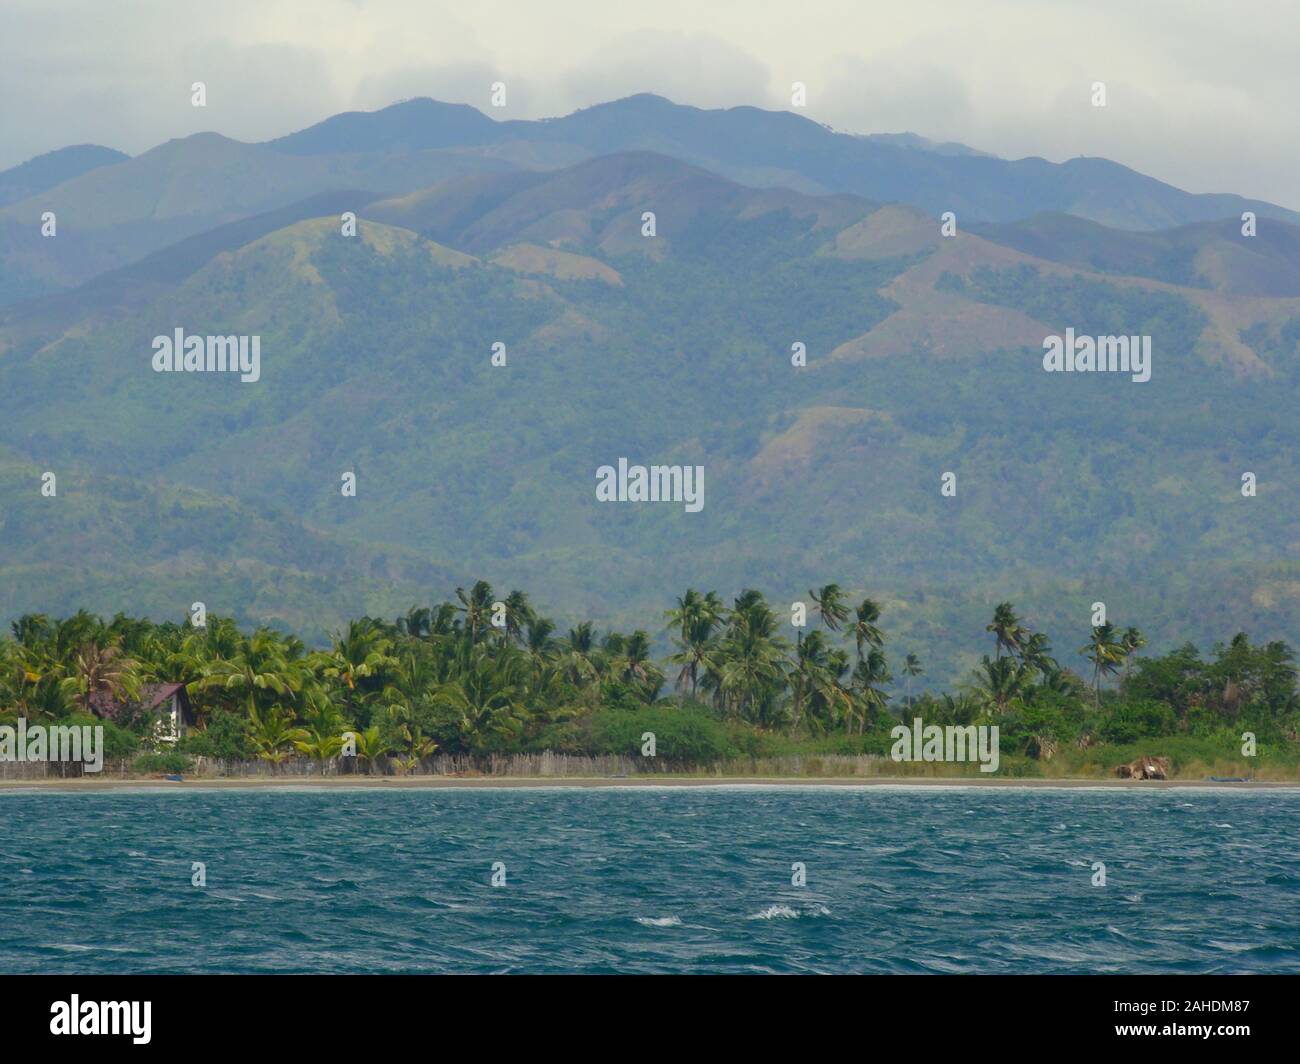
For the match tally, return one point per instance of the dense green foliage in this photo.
(480, 676)
(375, 360)
(1089, 307)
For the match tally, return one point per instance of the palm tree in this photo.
(961, 709)
(519, 613)
(417, 623)
(418, 747)
(263, 662)
(358, 653)
(1036, 653)
(31, 630)
(635, 666)
(220, 641)
(539, 647)
(830, 606)
(100, 670)
(695, 618)
(177, 657)
(360, 660)
(1105, 652)
(911, 668)
(412, 679)
(1006, 628)
(811, 671)
(489, 695)
(1131, 642)
(580, 657)
(869, 677)
(999, 681)
(272, 733)
(44, 699)
(76, 631)
(1059, 681)
(443, 623)
(750, 664)
(319, 702)
(319, 746)
(371, 746)
(864, 628)
(828, 700)
(476, 605)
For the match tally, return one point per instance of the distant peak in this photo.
(204, 139)
(53, 168)
(638, 99)
(416, 123)
(95, 154)
(422, 103)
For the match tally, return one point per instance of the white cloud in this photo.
(1201, 95)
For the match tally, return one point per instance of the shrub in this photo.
(225, 737)
(565, 737)
(682, 735)
(172, 763)
(119, 743)
(1129, 721)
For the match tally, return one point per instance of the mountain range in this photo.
(924, 357)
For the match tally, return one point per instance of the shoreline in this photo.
(86, 785)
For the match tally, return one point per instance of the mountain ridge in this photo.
(113, 211)
(376, 359)
(834, 161)
(53, 168)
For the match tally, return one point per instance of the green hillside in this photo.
(924, 356)
(53, 168)
(114, 215)
(104, 539)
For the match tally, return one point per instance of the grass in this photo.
(1191, 759)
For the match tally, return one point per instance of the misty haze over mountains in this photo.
(924, 356)
(114, 214)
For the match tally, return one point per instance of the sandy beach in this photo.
(86, 784)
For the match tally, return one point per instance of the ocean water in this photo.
(650, 880)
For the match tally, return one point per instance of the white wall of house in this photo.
(170, 725)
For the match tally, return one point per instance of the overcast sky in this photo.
(1200, 94)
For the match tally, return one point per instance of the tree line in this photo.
(478, 675)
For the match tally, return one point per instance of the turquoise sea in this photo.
(650, 880)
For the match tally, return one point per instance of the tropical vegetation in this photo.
(479, 676)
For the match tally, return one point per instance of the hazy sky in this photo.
(1200, 94)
